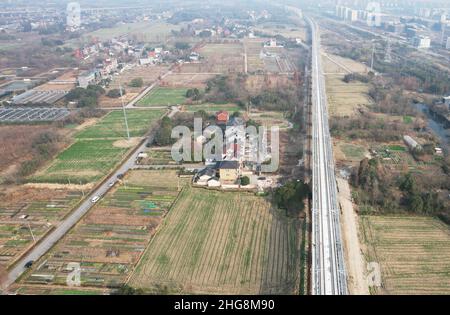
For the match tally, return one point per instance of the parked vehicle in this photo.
(95, 199)
(29, 264)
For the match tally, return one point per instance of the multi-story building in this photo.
(421, 42)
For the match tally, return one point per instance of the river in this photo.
(436, 126)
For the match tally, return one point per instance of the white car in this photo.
(111, 184)
(95, 199)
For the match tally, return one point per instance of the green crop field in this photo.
(222, 243)
(353, 152)
(84, 161)
(95, 151)
(113, 124)
(162, 96)
(407, 119)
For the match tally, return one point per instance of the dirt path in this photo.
(357, 283)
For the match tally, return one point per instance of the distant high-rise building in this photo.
(421, 42)
(73, 16)
(373, 14)
(447, 46)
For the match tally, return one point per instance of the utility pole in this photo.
(124, 111)
(31, 231)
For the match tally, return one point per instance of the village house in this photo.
(228, 171)
(222, 117)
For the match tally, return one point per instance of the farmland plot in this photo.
(113, 124)
(84, 161)
(218, 58)
(162, 96)
(413, 252)
(346, 98)
(42, 208)
(97, 148)
(110, 239)
(222, 243)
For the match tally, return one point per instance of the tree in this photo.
(182, 45)
(136, 82)
(245, 180)
(408, 184)
(416, 203)
(115, 93)
(127, 290)
(163, 135)
(291, 196)
(193, 93)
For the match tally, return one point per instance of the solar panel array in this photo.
(31, 114)
(35, 96)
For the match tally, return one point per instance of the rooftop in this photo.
(227, 165)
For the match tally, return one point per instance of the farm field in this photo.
(192, 80)
(83, 162)
(112, 126)
(413, 253)
(253, 48)
(42, 208)
(218, 58)
(288, 32)
(158, 156)
(345, 98)
(340, 65)
(269, 119)
(97, 149)
(351, 153)
(221, 243)
(143, 31)
(163, 96)
(213, 107)
(110, 239)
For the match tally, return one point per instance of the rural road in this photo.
(64, 226)
(357, 283)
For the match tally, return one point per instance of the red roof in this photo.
(222, 116)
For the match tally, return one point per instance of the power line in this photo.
(123, 108)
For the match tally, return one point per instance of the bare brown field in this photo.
(337, 64)
(288, 31)
(413, 253)
(221, 243)
(345, 99)
(190, 80)
(253, 48)
(16, 142)
(255, 83)
(218, 58)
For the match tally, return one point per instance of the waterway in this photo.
(436, 126)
